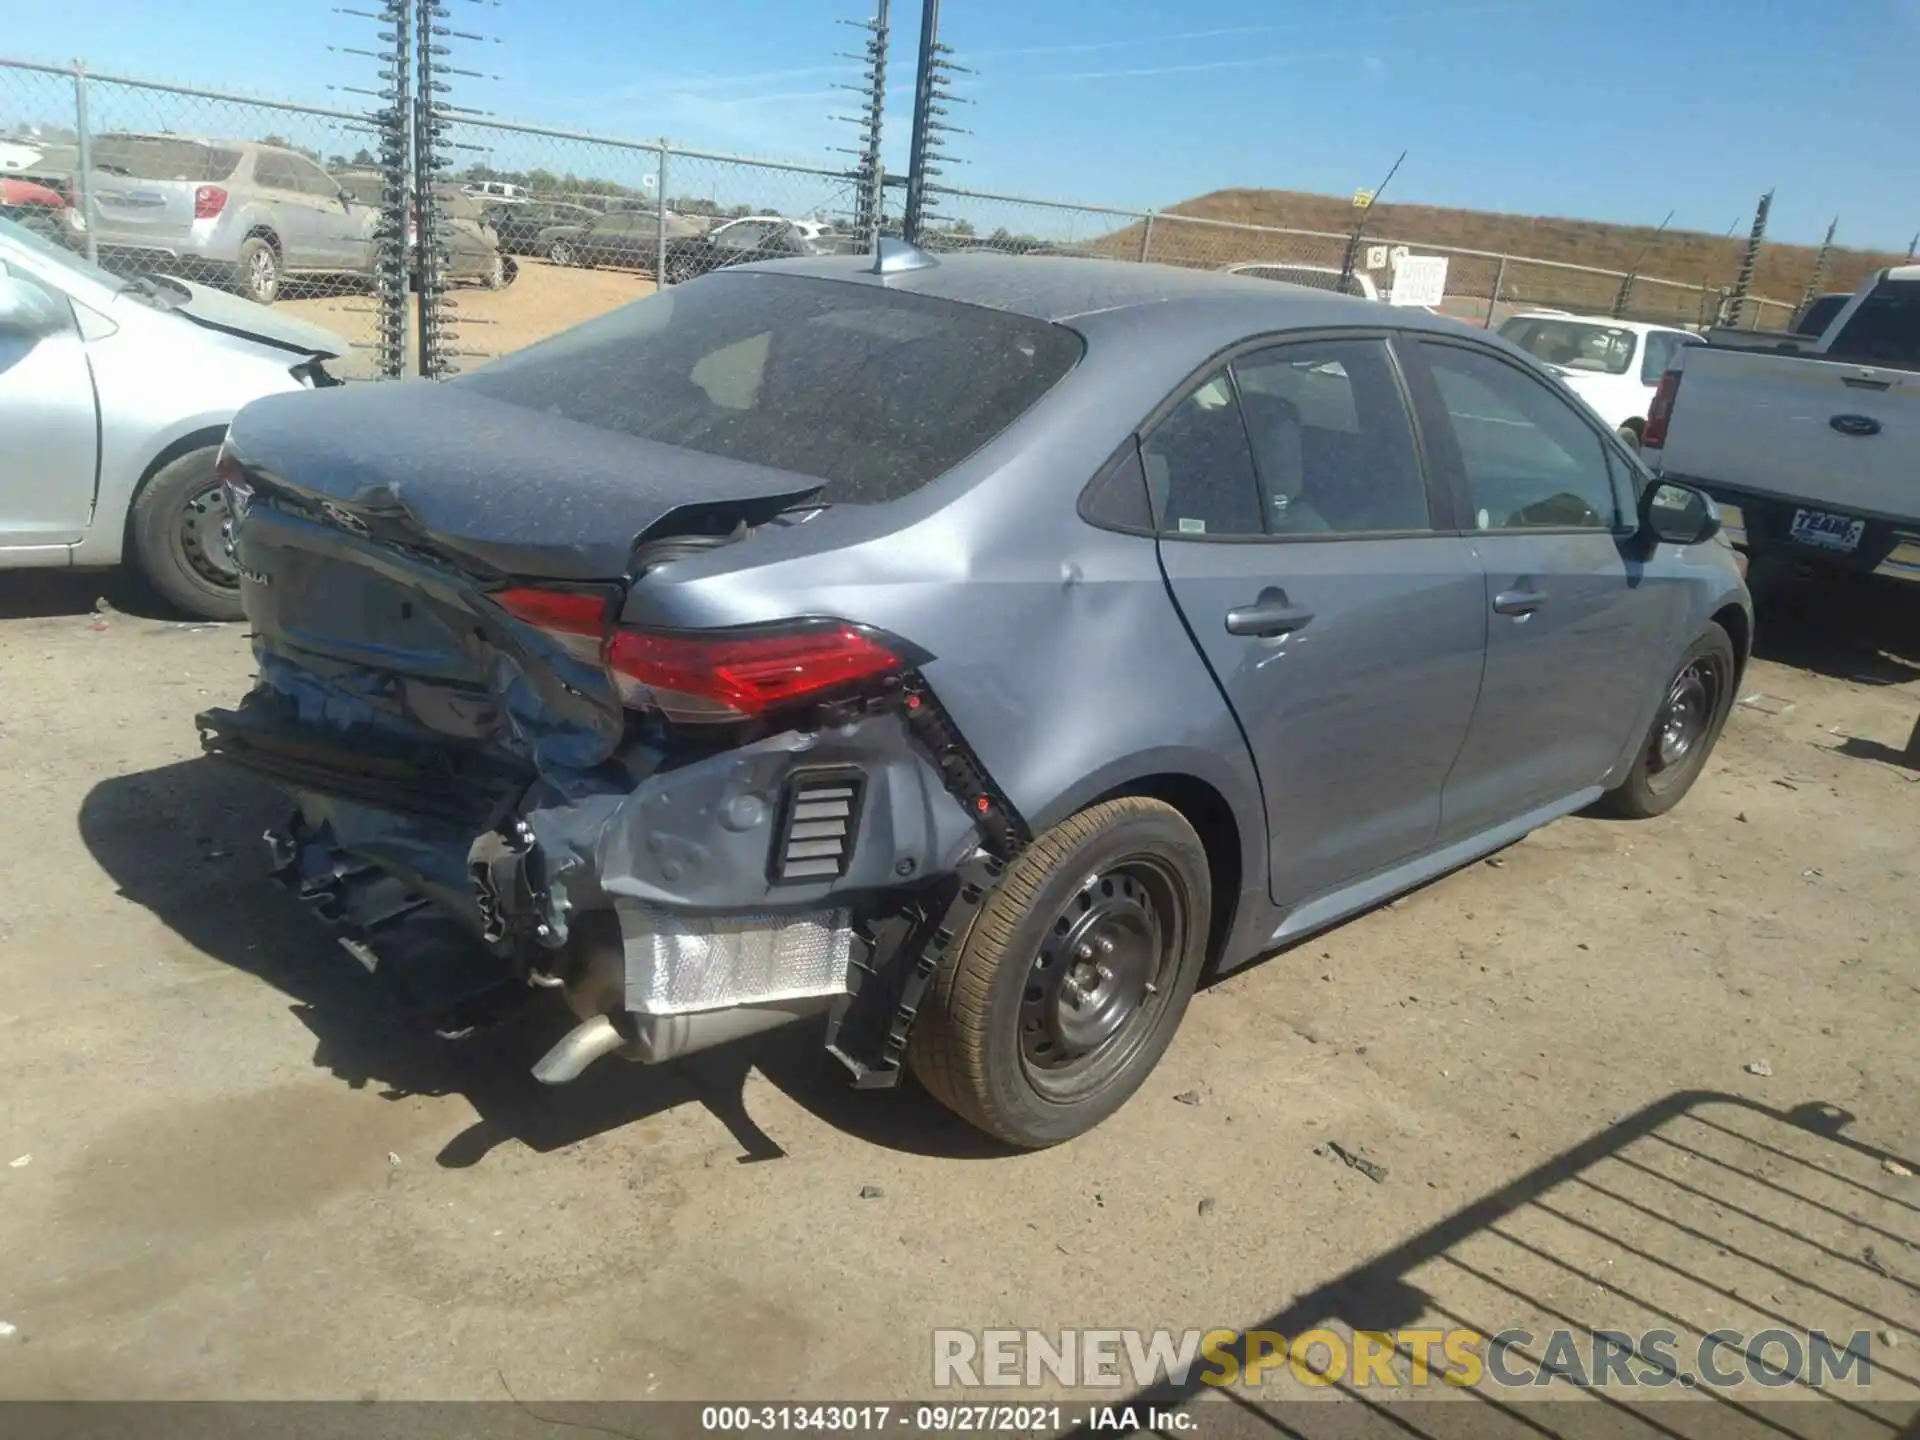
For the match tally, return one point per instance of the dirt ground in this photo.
(542, 300)
(1622, 1075)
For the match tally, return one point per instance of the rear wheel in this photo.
(495, 275)
(1685, 728)
(1073, 978)
(560, 253)
(259, 270)
(681, 268)
(179, 526)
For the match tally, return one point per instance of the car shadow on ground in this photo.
(184, 841)
(1701, 1213)
(48, 594)
(1855, 628)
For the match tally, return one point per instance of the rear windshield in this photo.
(873, 391)
(1573, 345)
(161, 157)
(1885, 330)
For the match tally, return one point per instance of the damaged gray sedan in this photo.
(977, 651)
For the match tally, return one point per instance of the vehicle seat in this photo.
(1279, 443)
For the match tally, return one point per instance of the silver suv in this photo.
(235, 211)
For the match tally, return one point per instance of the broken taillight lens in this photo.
(708, 676)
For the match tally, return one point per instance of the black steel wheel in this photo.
(1687, 723)
(1073, 978)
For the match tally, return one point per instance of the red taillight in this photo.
(715, 676)
(208, 201)
(732, 676)
(575, 619)
(1661, 410)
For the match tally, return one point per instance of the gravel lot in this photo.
(238, 1176)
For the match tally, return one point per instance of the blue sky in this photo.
(1610, 109)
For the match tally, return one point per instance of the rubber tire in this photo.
(560, 253)
(1632, 798)
(243, 277)
(148, 525)
(966, 1045)
(1629, 434)
(495, 275)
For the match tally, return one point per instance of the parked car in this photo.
(520, 225)
(1812, 456)
(977, 649)
(1613, 365)
(750, 238)
(494, 190)
(37, 207)
(236, 212)
(626, 239)
(114, 396)
(473, 248)
(1316, 277)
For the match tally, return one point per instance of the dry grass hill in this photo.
(1683, 255)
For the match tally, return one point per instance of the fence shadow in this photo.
(1701, 1212)
(184, 841)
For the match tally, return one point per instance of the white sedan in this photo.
(1613, 365)
(115, 394)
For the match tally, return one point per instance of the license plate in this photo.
(1829, 532)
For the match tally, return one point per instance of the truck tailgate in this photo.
(1831, 433)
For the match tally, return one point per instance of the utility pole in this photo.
(1743, 282)
(931, 97)
(1626, 280)
(1819, 280)
(1352, 257)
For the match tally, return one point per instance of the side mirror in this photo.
(1673, 514)
(27, 311)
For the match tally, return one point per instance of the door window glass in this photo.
(1531, 462)
(1331, 439)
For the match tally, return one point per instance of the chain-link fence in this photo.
(542, 228)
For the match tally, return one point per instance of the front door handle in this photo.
(1270, 615)
(1518, 602)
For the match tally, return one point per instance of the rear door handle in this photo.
(1518, 602)
(1269, 615)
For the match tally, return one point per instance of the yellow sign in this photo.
(1362, 199)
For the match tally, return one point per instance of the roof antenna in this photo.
(897, 257)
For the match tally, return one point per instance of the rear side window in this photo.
(1199, 469)
(1885, 330)
(873, 391)
(162, 157)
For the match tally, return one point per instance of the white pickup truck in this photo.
(1813, 455)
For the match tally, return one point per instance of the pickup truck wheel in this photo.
(179, 531)
(1073, 978)
(1685, 728)
(259, 270)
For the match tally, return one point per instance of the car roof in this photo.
(1059, 288)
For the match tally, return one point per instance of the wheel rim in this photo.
(1686, 716)
(560, 255)
(497, 273)
(262, 271)
(203, 537)
(1102, 978)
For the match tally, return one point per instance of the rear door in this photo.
(1580, 633)
(609, 241)
(49, 433)
(305, 233)
(1313, 568)
(343, 231)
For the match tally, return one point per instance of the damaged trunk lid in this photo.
(375, 530)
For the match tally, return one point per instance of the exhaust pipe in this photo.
(578, 1048)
